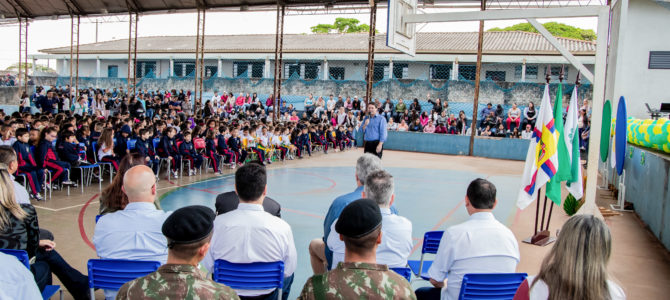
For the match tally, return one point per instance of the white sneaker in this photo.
(175, 174)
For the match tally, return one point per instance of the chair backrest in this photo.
(155, 142)
(251, 276)
(199, 143)
(130, 144)
(404, 272)
(111, 274)
(21, 255)
(499, 286)
(431, 241)
(97, 217)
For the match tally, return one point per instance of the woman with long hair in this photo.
(106, 148)
(576, 267)
(112, 197)
(19, 230)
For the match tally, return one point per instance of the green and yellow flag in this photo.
(563, 173)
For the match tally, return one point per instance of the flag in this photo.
(571, 137)
(542, 159)
(563, 174)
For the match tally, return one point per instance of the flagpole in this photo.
(551, 209)
(544, 210)
(561, 76)
(537, 210)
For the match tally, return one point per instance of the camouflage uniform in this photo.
(357, 281)
(175, 282)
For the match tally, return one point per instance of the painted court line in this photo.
(80, 220)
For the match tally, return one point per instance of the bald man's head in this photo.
(139, 184)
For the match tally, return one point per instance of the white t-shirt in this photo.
(540, 291)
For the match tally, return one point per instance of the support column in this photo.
(132, 52)
(171, 71)
(454, 69)
(279, 45)
(523, 71)
(325, 69)
(390, 68)
(478, 75)
(34, 66)
(23, 54)
(97, 67)
(74, 52)
(371, 52)
(219, 68)
(199, 54)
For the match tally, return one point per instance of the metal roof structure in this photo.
(515, 42)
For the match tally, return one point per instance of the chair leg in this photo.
(99, 181)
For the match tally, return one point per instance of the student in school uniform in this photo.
(47, 157)
(222, 147)
(235, 144)
(250, 135)
(317, 138)
(304, 141)
(106, 148)
(276, 143)
(27, 164)
(211, 149)
(121, 144)
(167, 148)
(264, 144)
(145, 147)
(187, 151)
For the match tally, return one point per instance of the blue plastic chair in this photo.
(111, 274)
(431, 241)
(22, 256)
(404, 272)
(162, 159)
(251, 276)
(499, 286)
(97, 217)
(130, 144)
(94, 147)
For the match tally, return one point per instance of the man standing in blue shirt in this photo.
(374, 131)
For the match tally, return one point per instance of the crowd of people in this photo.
(363, 234)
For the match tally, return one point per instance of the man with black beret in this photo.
(188, 231)
(359, 276)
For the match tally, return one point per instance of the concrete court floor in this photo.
(639, 262)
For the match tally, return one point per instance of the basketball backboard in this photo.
(399, 36)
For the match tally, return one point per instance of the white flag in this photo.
(542, 157)
(571, 135)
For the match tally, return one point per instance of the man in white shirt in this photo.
(16, 281)
(249, 234)
(479, 245)
(135, 232)
(396, 230)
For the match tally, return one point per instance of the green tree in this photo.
(38, 67)
(556, 29)
(341, 25)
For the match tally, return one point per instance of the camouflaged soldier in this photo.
(359, 276)
(188, 231)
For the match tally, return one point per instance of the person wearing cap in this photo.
(188, 231)
(374, 131)
(479, 245)
(319, 252)
(249, 234)
(135, 232)
(397, 241)
(359, 276)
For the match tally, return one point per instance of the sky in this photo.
(56, 33)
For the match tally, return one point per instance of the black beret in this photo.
(359, 218)
(188, 225)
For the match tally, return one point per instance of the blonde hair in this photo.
(576, 267)
(7, 199)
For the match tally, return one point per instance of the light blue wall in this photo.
(647, 188)
(500, 148)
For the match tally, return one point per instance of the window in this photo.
(495, 75)
(531, 72)
(442, 72)
(659, 59)
(336, 73)
(303, 70)
(380, 71)
(112, 71)
(311, 70)
(145, 69)
(467, 72)
(184, 68)
(556, 72)
(290, 69)
(252, 69)
(400, 70)
(210, 71)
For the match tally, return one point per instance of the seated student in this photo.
(317, 138)
(187, 151)
(500, 132)
(19, 230)
(210, 150)
(277, 143)
(27, 165)
(121, 144)
(106, 148)
(235, 145)
(440, 128)
(576, 266)
(167, 148)
(263, 144)
(47, 158)
(249, 234)
(189, 232)
(359, 276)
(304, 142)
(7, 136)
(397, 241)
(34, 136)
(252, 144)
(83, 136)
(135, 232)
(222, 148)
(479, 245)
(145, 147)
(69, 150)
